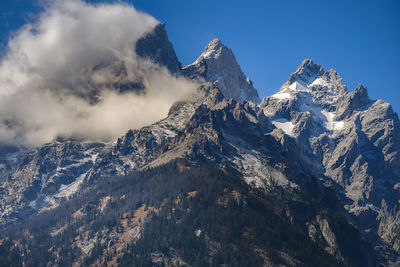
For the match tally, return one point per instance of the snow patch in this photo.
(72, 188)
(209, 54)
(313, 109)
(206, 55)
(32, 204)
(285, 125)
(91, 156)
(319, 82)
(330, 124)
(103, 203)
(255, 172)
(254, 168)
(325, 118)
(167, 128)
(296, 86)
(282, 95)
(161, 133)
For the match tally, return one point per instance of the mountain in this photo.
(353, 141)
(310, 177)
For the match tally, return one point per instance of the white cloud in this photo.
(52, 62)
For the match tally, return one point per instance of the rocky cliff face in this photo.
(320, 162)
(218, 64)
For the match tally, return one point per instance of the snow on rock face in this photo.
(285, 125)
(214, 50)
(254, 167)
(296, 86)
(323, 117)
(168, 127)
(330, 124)
(282, 95)
(319, 82)
(70, 189)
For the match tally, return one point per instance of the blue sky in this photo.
(360, 39)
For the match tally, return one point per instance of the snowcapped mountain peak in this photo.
(307, 75)
(215, 50)
(215, 42)
(214, 45)
(217, 64)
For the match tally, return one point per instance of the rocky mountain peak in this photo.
(217, 64)
(215, 44)
(306, 72)
(333, 76)
(323, 87)
(353, 101)
(156, 46)
(216, 50)
(361, 93)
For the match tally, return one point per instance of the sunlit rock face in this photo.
(218, 64)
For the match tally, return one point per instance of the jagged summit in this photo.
(307, 71)
(317, 97)
(217, 64)
(156, 46)
(216, 50)
(214, 44)
(311, 78)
